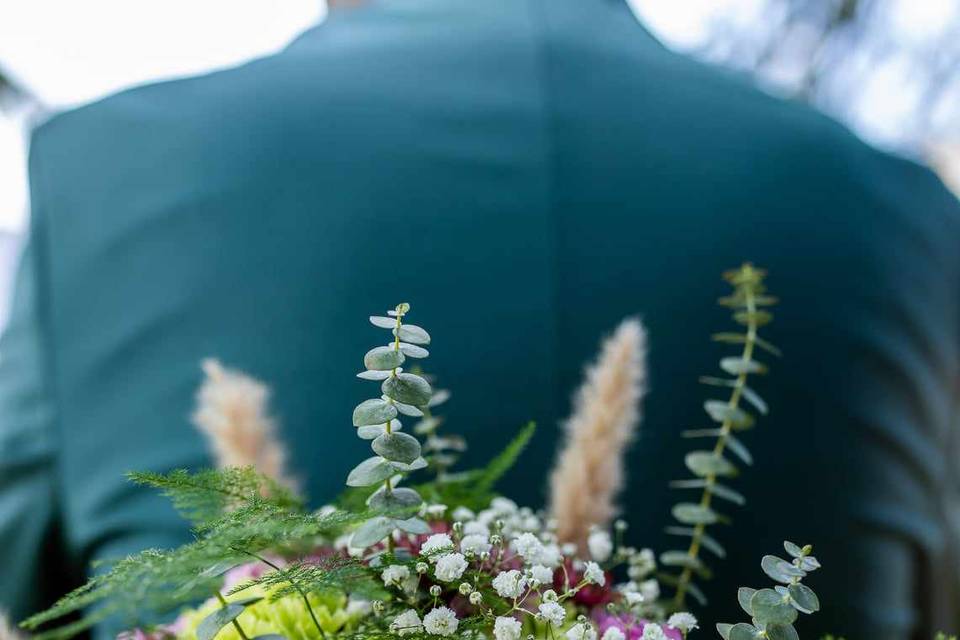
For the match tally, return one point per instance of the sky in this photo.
(74, 59)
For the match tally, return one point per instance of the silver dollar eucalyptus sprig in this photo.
(773, 611)
(747, 301)
(377, 419)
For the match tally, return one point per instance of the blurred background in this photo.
(889, 69)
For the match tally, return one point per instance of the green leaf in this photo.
(701, 433)
(697, 593)
(691, 513)
(219, 568)
(439, 397)
(376, 375)
(770, 607)
(760, 318)
(723, 629)
(210, 626)
(706, 463)
(739, 449)
(371, 532)
(505, 459)
(408, 409)
(754, 398)
(769, 348)
(809, 563)
(779, 569)
(374, 411)
(397, 447)
(707, 541)
(370, 472)
(725, 492)
(408, 388)
(413, 351)
(684, 560)
(721, 411)
(803, 598)
(744, 595)
(693, 483)
(396, 499)
(737, 365)
(778, 631)
(415, 526)
(413, 334)
(383, 322)
(419, 463)
(372, 431)
(718, 382)
(743, 631)
(383, 359)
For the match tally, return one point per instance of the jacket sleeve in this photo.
(27, 454)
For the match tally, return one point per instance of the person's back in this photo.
(525, 173)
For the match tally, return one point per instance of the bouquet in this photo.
(415, 548)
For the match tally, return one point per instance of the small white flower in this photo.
(463, 514)
(542, 574)
(476, 528)
(394, 575)
(652, 631)
(509, 584)
(476, 598)
(529, 523)
(549, 596)
(553, 613)
(359, 608)
(528, 546)
(503, 506)
(407, 623)
(682, 621)
(450, 567)
(581, 631)
(650, 589)
(434, 510)
(506, 628)
(475, 544)
(441, 622)
(642, 564)
(613, 633)
(634, 598)
(568, 549)
(593, 573)
(600, 545)
(551, 556)
(436, 545)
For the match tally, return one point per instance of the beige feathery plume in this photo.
(589, 473)
(8, 631)
(232, 413)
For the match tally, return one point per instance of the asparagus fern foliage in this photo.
(377, 419)
(732, 415)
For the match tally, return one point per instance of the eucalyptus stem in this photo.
(750, 341)
(236, 624)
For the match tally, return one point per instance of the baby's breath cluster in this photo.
(377, 419)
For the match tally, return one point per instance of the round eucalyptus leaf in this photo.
(371, 532)
(415, 526)
(754, 398)
(692, 513)
(757, 318)
(383, 322)
(744, 594)
(778, 631)
(743, 631)
(373, 411)
(684, 560)
(804, 598)
(427, 425)
(376, 375)
(707, 463)
(710, 544)
(408, 410)
(408, 388)
(779, 569)
(397, 447)
(793, 549)
(413, 350)
(723, 629)
(372, 431)
(383, 359)
(809, 563)
(370, 472)
(395, 499)
(439, 397)
(720, 411)
(419, 463)
(725, 492)
(739, 449)
(737, 365)
(697, 593)
(413, 334)
(213, 623)
(768, 607)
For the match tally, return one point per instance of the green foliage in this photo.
(773, 611)
(330, 575)
(710, 464)
(397, 453)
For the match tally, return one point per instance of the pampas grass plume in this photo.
(589, 474)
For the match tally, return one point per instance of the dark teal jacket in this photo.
(526, 173)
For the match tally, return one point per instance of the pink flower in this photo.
(631, 627)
